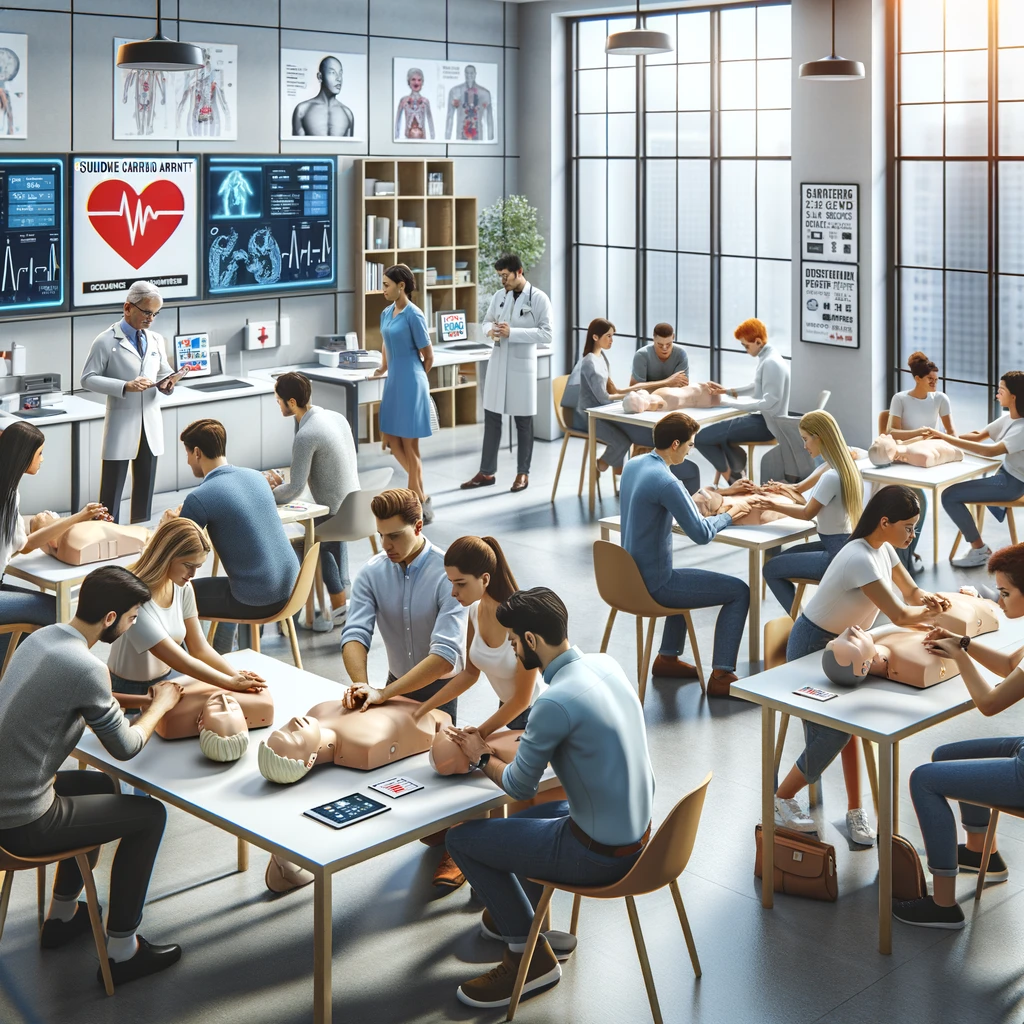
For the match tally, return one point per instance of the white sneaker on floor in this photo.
(858, 828)
(789, 814)
(338, 616)
(974, 558)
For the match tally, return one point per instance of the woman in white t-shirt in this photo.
(865, 578)
(1007, 437)
(151, 649)
(835, 504)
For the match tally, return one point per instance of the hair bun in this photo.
(916, 357)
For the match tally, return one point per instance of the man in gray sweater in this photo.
(54, 687)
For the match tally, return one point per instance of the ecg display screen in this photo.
(268, 224)
(32, 233)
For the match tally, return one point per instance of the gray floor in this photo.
(400, 952)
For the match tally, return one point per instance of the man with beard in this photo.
(53, 688)
(589, 725)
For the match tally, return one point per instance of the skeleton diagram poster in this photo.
(179, 104)
(830, 307)
(134, 219)
(445, 101)
(323, 95)
(13, 85)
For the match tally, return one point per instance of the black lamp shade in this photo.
(160, 54)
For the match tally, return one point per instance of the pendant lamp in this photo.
(832, 68)
(638, 41)
(160, 53)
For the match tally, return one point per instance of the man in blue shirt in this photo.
(650, 499)
(589, 725)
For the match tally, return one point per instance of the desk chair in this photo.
(16, 630)
(557, 391)
(660, 863)
(623, 589)
(990, 837)
(979, 516)
(10, 864)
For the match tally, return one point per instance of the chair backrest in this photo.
(823, 397)
(883, 421)
(619, 581)
(776, 637)
(795, 458)
(375, 480)
(355, 520)
(557, 393)
(303, 584)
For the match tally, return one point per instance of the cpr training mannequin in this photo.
(900, 656)
(447, 758)
(223, 730)
(886, 450)
(94, 541)
(693, 396)
(710, 502)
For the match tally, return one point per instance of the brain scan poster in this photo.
(135, 218)
(323, 96)
(199, 104)
(13, 85)
(445, 101)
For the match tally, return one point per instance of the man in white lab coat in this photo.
(520, 315)
(125, 363)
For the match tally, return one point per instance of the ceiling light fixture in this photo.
(638, 41)
(832, 68)
(160, 53)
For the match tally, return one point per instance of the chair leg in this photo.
(531, 945)
(15, 640)
(872, 767)
(814, 794)
(687, 934)
(583, 468)
(986, 853)
(94, 919)
(213, 629)
(794, 611)
(696, 651)
(575, 919)
(780, 743)
(1012, 525)
(646, 667)
(5, 899)
(254, 633)
(608, 629)
(558, 471)
(41, 894)
(645, 964)
(956, 544)
(373, 543)
(639, 650)
(289, 626)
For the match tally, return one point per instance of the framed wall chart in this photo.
(829, 304)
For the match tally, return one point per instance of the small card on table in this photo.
(396, 787)
(814, 693)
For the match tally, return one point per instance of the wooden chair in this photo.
(801, 586)
(16, 630)
(10, 864)
(990, 837)
(557, 391)
(623, 589)
(295, 603)
(979, 516)
(660, 863)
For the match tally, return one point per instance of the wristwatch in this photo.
(965, 642)
(484, 758)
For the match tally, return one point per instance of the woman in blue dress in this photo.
(407, 358)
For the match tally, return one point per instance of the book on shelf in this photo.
(374, 276)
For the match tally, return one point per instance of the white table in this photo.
(757, 540)
(237, 799)
(878, 710)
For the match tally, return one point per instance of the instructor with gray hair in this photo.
(125, 363)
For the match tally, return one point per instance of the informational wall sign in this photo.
(445, 101)
(453, 325)
(323, 96)
(269, 224)
(135, 219)
(13, 85)
(829, 222)
(829, 298)
(32, 233)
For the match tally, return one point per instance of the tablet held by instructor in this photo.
(128, 364)
(520, 319)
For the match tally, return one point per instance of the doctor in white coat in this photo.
(521, 315)
(125, 363)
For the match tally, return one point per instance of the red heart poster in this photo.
(135, 226)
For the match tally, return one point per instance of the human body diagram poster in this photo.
(828, 227)
(445, 101)
(829, 299)
(134, 219)
(179, 105)
(13, 85)
(323, 95)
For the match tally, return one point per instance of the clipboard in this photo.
(172, 377)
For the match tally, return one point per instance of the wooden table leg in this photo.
(243, 855)
(754, 580)
(307, 544)
(896, 786)
(885, 819)
(592, 453)
(322, 948)
(606, 534)
(63, 602)
(935, 525)
(767, 806)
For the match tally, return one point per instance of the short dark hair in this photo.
(1014, 381)
(510, 261)
(663, 330)
(1010, 562)
(109, 589)
(398, 501)
(893, 502)
(294, 385)
(539, 611)
(209, 436)
(401, 274)
(676, 426)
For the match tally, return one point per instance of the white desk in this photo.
(236, 798)
(877, 710)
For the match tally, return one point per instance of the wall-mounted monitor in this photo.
(135, 218)
(269, 224)
(32, 218)
(192, 353)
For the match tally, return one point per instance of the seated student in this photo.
(240, 515)
(650, 499)
(54, 688)
(324, 457)
(589, 725)
(720, 443)
(152, 648)
(866, 577)
(987, 770)
(662, 363)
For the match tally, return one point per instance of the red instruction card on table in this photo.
(396, 787)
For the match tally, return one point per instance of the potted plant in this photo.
(509, 226)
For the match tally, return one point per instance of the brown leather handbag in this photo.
(803, 866)
(908, 882)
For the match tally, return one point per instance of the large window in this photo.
(960, 199)
(681, 184)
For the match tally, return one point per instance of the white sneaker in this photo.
(338, 616)
(974, 558)
(789, 814)
(858, 828)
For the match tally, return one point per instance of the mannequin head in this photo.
(446, 756)
(600, 333)
(636, 402)
(289, 752)
(752, 335)
(883, 450)
(848, 658)
(176, 552)
(891, 515)
(399, 522)
(925, 372)
(476, 566)
(709, 503)
(223, 731)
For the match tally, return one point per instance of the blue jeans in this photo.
(500, 855)
(1000, 486)
(20, 605)
(699, 588)
(720, 442)
(807, 561)
(333, 562)
(989, 770)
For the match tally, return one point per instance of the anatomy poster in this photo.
(830, 307)
(445, 101)
(134, 219)
(179, 105)
(13, 85)
(323, 95)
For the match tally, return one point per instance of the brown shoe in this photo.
(719, 683)
(521, 482)
(494, 988)
(283, 875)
(448, 875)
(480, 480)
(672, 668)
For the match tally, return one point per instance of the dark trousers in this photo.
(112, 478)
(88, 810)
(215, 600)
(720, 442)
(492, 441)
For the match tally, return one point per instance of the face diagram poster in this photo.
(269, 224)
(445, 101)
(829, 222)
(134, 219)
(830, 314)
(323, 95)
(13, 85)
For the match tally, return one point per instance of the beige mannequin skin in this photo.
(924, 453)
(902, 657)
(712, 502)
(447, 758)
(93, 541)
(693, 396)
